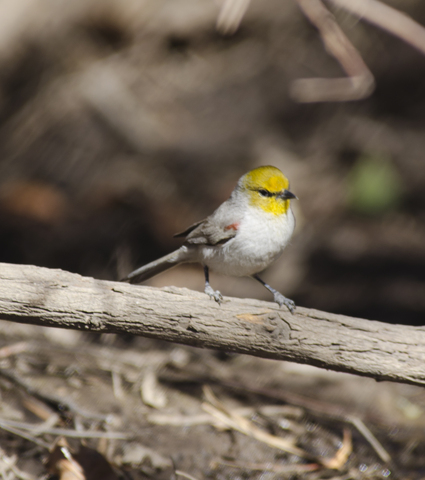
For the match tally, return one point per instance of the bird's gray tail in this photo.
(158, 266)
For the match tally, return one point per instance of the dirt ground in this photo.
(137, 409)
(123, 122)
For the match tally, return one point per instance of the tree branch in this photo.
(359, 82)
(56, 298)
(388, 18)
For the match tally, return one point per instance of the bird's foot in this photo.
(215, 294)
(281, 300)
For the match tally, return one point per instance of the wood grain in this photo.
(56, 298)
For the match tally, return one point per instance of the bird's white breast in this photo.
(260, 239)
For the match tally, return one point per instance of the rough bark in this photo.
(56, 298)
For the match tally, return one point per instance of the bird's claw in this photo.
(281, 300)
(214, 294)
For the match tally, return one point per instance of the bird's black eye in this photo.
(264, 193)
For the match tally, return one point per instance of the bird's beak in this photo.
(287, 195)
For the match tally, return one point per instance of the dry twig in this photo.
(203, 419)
(341, 456)
(294, 468)
(16, 427)
(359, 82)
(219, 411)
(335, 412)
(8, 466)
(388, 18)
(180, 473)
(232, 420)
(14, 349)
(230, 15)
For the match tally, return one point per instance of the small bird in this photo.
(242, 237)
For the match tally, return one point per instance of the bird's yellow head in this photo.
(267, 188)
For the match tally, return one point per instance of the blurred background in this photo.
(124, 121)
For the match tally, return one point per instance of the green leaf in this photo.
(374, 185)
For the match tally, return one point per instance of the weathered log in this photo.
(57, 298)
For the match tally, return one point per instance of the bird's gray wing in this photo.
(188, 230)
(208, 233)
(218, 228)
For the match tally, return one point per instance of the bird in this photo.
(242, 237)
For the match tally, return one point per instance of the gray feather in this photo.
(208, 233)
(157, 266)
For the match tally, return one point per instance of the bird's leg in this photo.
(215, 294)
(278, 297)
